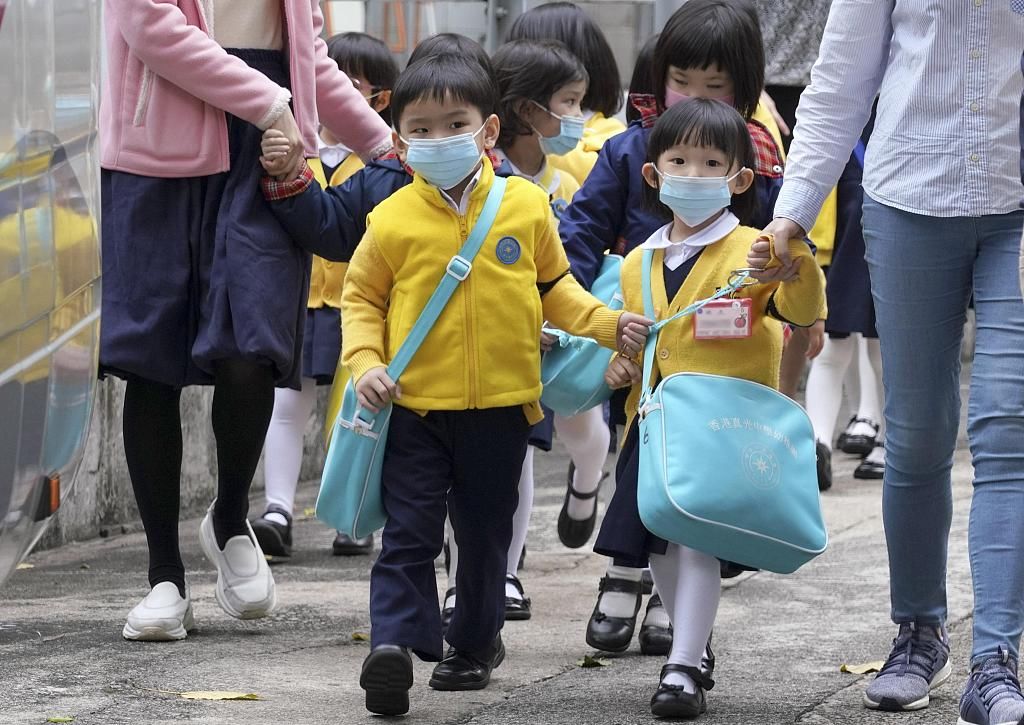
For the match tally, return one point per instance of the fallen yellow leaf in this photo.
(60, 719)
(309, 512)
(360, 637)
(219, 695)
(862, 669)
(25, 565)
(588, 662)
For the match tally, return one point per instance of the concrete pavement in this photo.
(780, 640)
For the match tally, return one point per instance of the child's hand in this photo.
(547, 341)
(276, 150)
(815, 339)
(376, 389)
(632, 333)
(622, 372)
(778, 269)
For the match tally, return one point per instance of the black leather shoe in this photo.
(646, 582)
(707, 662)
(460, 671)
(447, 612)
(673, 701)
(517, 608)
(275, 539)
(871, 470)
(824, 460)
(574, 533)
(857, 445)
(387, 677)
(345, 545)
(654, 640)
(613, 634)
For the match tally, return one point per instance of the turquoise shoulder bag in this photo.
(727, 466)
(350, 489)
(573, 372)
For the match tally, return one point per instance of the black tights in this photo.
(243, 400)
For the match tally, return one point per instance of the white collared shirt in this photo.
(677, 253)
(550, 187)
(463, 206)
(332, 156)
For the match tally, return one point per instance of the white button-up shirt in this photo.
(946, 140)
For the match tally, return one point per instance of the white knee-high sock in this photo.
(870, 369)
(283, 446)
(825, 386)
(453, 554)
(586, 438)
(690, 584)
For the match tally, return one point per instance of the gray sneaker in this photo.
(992, 695)
(918, 663)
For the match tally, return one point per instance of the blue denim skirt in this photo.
(197, 270)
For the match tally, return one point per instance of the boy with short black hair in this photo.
(463, 411)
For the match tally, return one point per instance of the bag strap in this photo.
(455, 273)
(740, 278)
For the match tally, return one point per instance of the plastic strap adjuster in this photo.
(459, 267)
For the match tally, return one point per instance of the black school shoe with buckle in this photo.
(613, 634)
(517, 609)
(857, 445)
(461, 671)
(823, 458)
(654, 640)
(673, 701)
(447, 612)
(345, 545)
(274, 539)
(575, 533)
(387, 678)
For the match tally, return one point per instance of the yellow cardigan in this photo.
(326, 277)
(484, 350)
(578, 162)
(756, 358)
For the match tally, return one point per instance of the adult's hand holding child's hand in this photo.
(275, 148)
(775, 237)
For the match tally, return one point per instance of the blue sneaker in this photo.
(918, 663)
(992, 695)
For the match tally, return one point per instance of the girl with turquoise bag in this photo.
(699, 177)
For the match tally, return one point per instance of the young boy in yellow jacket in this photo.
(459, 429)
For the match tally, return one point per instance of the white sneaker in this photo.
(163, 616)
(245, 586)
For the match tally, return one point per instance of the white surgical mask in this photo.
(444, 162)
(695, 199)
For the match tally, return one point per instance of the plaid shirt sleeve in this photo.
(766, 152)
(274, 190)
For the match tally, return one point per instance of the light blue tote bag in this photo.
(350, 489)
(727, 466)
(573, 372)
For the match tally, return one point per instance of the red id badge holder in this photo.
(728, 319)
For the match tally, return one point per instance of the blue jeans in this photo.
(923, 272)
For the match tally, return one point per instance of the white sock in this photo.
(619, 604)
(586, 437)
(825, 386)
(453, 552)
(657, 616)
(282, 451)
(869, 365)
(521, 519)
(690, 584)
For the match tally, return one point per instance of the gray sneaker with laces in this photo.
(992, 695)
(918, 663)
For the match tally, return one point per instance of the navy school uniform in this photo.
(464, 463)
(197, 269)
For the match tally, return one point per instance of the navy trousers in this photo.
(466, 463)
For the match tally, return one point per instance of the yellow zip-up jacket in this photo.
(756, 358)
(484, 350)
(578, 162)
(327, 277)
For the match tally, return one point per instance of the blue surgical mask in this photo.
(444, 162)
(695, 199)
(567, 139)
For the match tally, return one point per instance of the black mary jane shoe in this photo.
(275, 540)
(345, 545)
(613, 634)
(575, 533)
(857, 445)
(387, 677)
(823, 459)
(673, 701)
(654, 640)
(447, 612)
(871, 470)
(461, 671)
(646, 582)
(517, 609)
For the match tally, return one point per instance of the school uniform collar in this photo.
(677, 253)
(478, 187)
(332, 155)
(547, 178)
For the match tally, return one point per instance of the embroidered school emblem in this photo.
(761, 467)
(508, 250)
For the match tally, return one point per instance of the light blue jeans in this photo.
(923, 272)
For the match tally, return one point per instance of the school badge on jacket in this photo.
(508, 250)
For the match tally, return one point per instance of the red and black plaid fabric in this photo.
(647, 106)
(768, 158)
(274, 190)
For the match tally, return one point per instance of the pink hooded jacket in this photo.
(169, 85)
